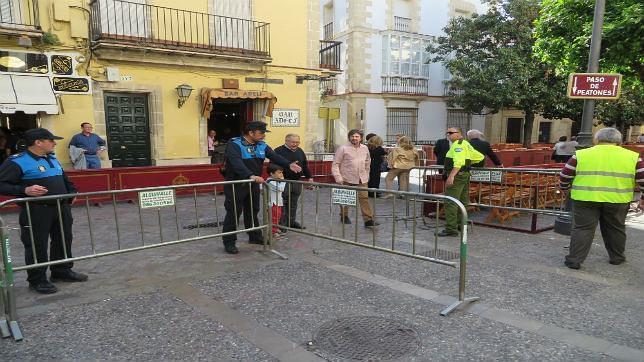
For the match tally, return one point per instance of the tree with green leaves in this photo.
(492, 64)
(563, 31)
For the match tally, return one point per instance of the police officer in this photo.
(37, 172)
(244, 159)
(602, 178)
(459, 158)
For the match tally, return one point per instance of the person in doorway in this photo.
(401, 159)
(377, 154)
(458, 161)
(351, 165)
(37, 172)
(602, 179)
(563, 150)
(212, 143)
(476, 140)
(91, 143)
(275, 189)
(244, 160)
(291, 151)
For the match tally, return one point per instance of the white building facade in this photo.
(385, 85)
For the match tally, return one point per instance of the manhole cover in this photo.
(366, 338)
(442, 254)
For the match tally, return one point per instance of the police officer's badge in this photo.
(41, 168)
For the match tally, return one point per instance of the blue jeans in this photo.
(93, 161)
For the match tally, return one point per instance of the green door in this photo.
(128, 129)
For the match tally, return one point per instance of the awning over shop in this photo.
(27, 93)
(207, 94)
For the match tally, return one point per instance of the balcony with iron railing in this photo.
(402, 24)
(127, 24)
(449, 90)
(330, 55)
(328, 86)
(405, 85)
(19, 17)
(328, 31)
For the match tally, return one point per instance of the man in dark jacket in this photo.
(37, 172)
(291, 151)
(484, 147)
(440, 150)
(244, 160)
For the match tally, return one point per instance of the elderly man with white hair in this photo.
(602, 179)
(475, 136)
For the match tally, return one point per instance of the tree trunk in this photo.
(527, 128)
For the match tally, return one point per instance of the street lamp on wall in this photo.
(183, 91)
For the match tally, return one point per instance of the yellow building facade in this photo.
(240, 60)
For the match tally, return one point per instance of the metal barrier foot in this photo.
(4, 329)
(281, 255)
(15, 330)
(458, 304)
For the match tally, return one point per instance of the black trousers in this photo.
(611, 218)
(46, 225)
(374, 178)
(290, 196)
(246, 199)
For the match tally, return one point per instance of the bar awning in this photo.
(207, 94)
(27, 93)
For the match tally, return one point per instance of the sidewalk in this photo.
(195, 302)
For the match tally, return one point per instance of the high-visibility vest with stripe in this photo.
(605, 173)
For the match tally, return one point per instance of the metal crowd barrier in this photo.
(505, 194)
(327, 198)
(163, 220)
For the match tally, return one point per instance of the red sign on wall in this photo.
(594, 86)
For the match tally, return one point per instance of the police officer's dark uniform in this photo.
(27, 169)
(243, 160)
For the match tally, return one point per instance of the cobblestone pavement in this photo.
(194, 302)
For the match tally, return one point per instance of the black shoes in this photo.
(345, 220)
(294, 225)
(258, 241)
(572, 265)
(370, 224)
(231, 249)
(68, 276)
(616, 262)
(447, 233)
(44, 287)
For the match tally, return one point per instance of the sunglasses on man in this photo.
(452, 132)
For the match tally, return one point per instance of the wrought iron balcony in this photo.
(405, 85)
(328, 86)
(330, 55)
(328, 31)
(448, 90)
(19, 15)
(119, 22)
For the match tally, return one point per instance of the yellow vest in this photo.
(605, 173)
(461, 152)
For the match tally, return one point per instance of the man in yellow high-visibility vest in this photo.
(602, 179)
(459, 158)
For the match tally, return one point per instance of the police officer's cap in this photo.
(40, 134)
(256, 126)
